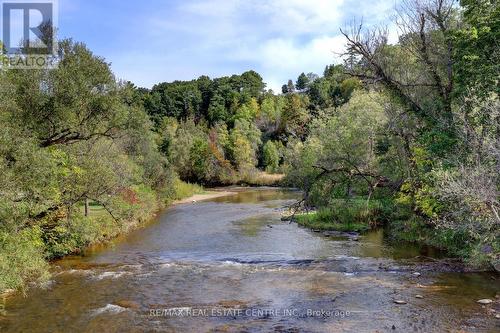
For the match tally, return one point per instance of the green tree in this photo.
(284, 89)
(248, 111)
(295, 116)
(271, 157)
(302, 82)
(245, 141)
(252, 83)
(340, 153)
(217, 110)
(77, 101)
(200, 158)
(319, 93)
(477, 55)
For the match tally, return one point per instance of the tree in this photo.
(295, 117)
(217, 110)
(335, 73)
(271, 157)
(252, 83)
(186, 135)
(424, 84)
(477, 55)
(199, 156)
(311, 77)
(348, 86)
(302, 82)
(320, 93)
(248, 111)
(270, 115)
(340, 154)
(77, 101)
(245, 141)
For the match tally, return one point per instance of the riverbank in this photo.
(354, 215)
(315, 221)
(403, 227)
(203, 196)
(25, 254)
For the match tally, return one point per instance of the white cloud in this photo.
(279, 38)
(281, 59)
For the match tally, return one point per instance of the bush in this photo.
(21, 258)
(271, 157)
(179, 190)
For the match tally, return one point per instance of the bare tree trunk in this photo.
(86, 207)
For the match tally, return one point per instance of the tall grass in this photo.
(347, 215)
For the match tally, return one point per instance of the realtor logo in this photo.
(28, 31)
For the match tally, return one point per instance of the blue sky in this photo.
(152, 41)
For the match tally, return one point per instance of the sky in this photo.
(152, 41)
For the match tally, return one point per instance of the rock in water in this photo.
(485, 301)
(419, 296)
(417, 274)
(127, 304)
(399, 302)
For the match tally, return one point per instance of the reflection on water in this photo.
(235, 253)
(376, 245)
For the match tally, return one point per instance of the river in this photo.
(231, 265)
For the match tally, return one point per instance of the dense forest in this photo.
(404, 135)
(221, 131)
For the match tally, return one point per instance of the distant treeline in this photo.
(217, 131)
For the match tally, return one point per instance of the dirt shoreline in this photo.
(205, 196)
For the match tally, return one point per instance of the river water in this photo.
(231, 265)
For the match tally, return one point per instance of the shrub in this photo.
(21, 258)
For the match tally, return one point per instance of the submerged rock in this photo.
(127, 304)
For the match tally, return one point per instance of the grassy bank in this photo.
(25, 253)
(402, 224)
(346, 215)
(323, 220)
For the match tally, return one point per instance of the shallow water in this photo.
(230, 265)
